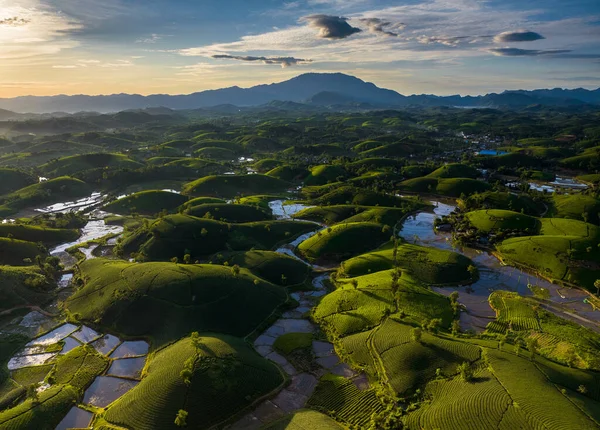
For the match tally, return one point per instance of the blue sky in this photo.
(176, 46)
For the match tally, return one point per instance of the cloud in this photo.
(518, 36)
(14, 21)
(64, 66)
(516, 52)
(447, 41)
(283, 61)
(330, 26)
(152, 39)
(378, 25)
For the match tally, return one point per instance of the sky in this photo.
(442, 47)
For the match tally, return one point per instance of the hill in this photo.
(165, 301)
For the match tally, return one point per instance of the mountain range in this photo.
(310, 89)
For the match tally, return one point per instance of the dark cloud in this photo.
(282, 61)
(377, 25)
(331, 27)
(15, 21)
(516, 52)
(518, 36)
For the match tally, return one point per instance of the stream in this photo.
(566, 303)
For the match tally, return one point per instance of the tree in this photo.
(416, 334)
(181, 418)
(174, 260)
(455, 327)
(465, 371)
(187, 258)
(354, 283)
(532, 346)
(32, 394)
(204, 232)
(434, 325)
(582, 389)
(283, 279)
(472, 271)
(235, 269)
(597, 285)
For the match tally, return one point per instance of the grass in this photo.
(288, 173)
(146, 203)
(339, 397)
(68, 166)
(32, 233)
(232, 185)
(325, 174)
(52, 191)
(352, 213)
(15, 252)
(14, 179)
(277, 268)
(451, 187)
(559, 340)
(165, 301)
(429, 265)
(227, 376)
(229, 212)
(456, 170)
(289, 342)
(565, 251)
(576, 206)
(215, 153)
(305, 419)
(177, 235)
(490, 220)
(344, 240)
(504, 201)
(349, 310)
(79, 367)
(201, 201)
(52, 406)
(356, 196)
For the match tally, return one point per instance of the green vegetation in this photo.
(146, 203)
(13, 179)
(231, 186)
(288, 173)
(177, 235)
(69, 166)
(19, 252)
(63, 188)
(23, 286)
(452, 187)
(165, 301)
(429, 265)
(33, 233)
(344, 240)
(229, 212)
(274, 267)
(504, 201)
(225, 376)
(305, 419)
(455, 171)
(577, 206)
(289, 342)
(325, 174)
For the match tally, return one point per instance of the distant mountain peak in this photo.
(325, 89)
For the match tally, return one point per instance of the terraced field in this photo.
(227, 376)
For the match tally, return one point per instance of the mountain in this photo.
(317, 89)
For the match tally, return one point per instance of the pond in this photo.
(492, 152)
(106, 389)
(19, 362)
(127, 367)
(282, 210)
(86, 335)
(54, 336)
(78, 205)
(106, 344)
(76, 418)
(131, 349)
